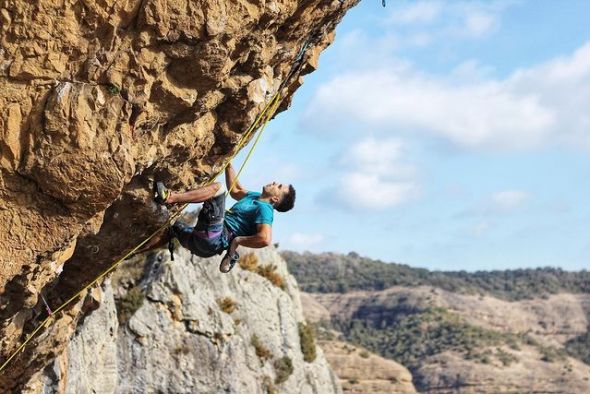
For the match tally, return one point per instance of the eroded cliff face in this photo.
(192, 330)
(99, 97)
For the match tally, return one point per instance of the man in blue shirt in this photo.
(247, 223)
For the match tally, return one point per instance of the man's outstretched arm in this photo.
(237, 192)
(259, 240)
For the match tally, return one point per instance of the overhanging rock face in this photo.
(99, 97)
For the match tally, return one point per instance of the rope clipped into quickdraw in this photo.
(273, 105)
(47, 308)
(266, 115)
(260, 122)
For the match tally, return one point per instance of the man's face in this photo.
(275, 189)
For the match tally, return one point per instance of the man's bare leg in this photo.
(194, 196)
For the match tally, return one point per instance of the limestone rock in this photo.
(98, 98)
(89, 364)
(183, 340)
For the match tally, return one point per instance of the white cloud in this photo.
(418, 25)
(352, 50)
(303, 241)
(369, 191)
(375, 176)
(472, 116)
(478, 24)
(563, 85)
(475, 19)
(424, 25)
(540, 105)
(509, 199)
(380, 157)
(438, 21)
(481, 228)
(470, 71)
(417, 12)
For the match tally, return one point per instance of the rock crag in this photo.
(195, 330)
(98, 98)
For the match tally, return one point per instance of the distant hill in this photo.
(487, 332)
(339, 273)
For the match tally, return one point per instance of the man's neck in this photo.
(264, 198)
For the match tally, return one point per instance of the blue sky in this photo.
(450, 135)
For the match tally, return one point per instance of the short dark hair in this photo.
(288, 200)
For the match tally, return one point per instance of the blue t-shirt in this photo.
(243, 217)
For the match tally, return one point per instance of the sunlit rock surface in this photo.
(184, 339)
(98, 98)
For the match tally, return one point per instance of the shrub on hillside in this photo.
(269, 272)
(248, 262)
(505, 358)
(307, 341)
(262, 351)
(227, 305)
(268, 386)
(414, 337)
(129, 304)
(550, 354)
(330, 272)
(579, 347)
(283, 369)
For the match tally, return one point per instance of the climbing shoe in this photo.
(161, 194)
(228, 262)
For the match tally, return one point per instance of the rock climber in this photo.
(247, 223)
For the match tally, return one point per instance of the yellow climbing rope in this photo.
(272, 105)
(260, 122)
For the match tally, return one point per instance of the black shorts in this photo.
(209, 237)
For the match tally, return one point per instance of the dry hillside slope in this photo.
(472, 343)
(513, 331)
